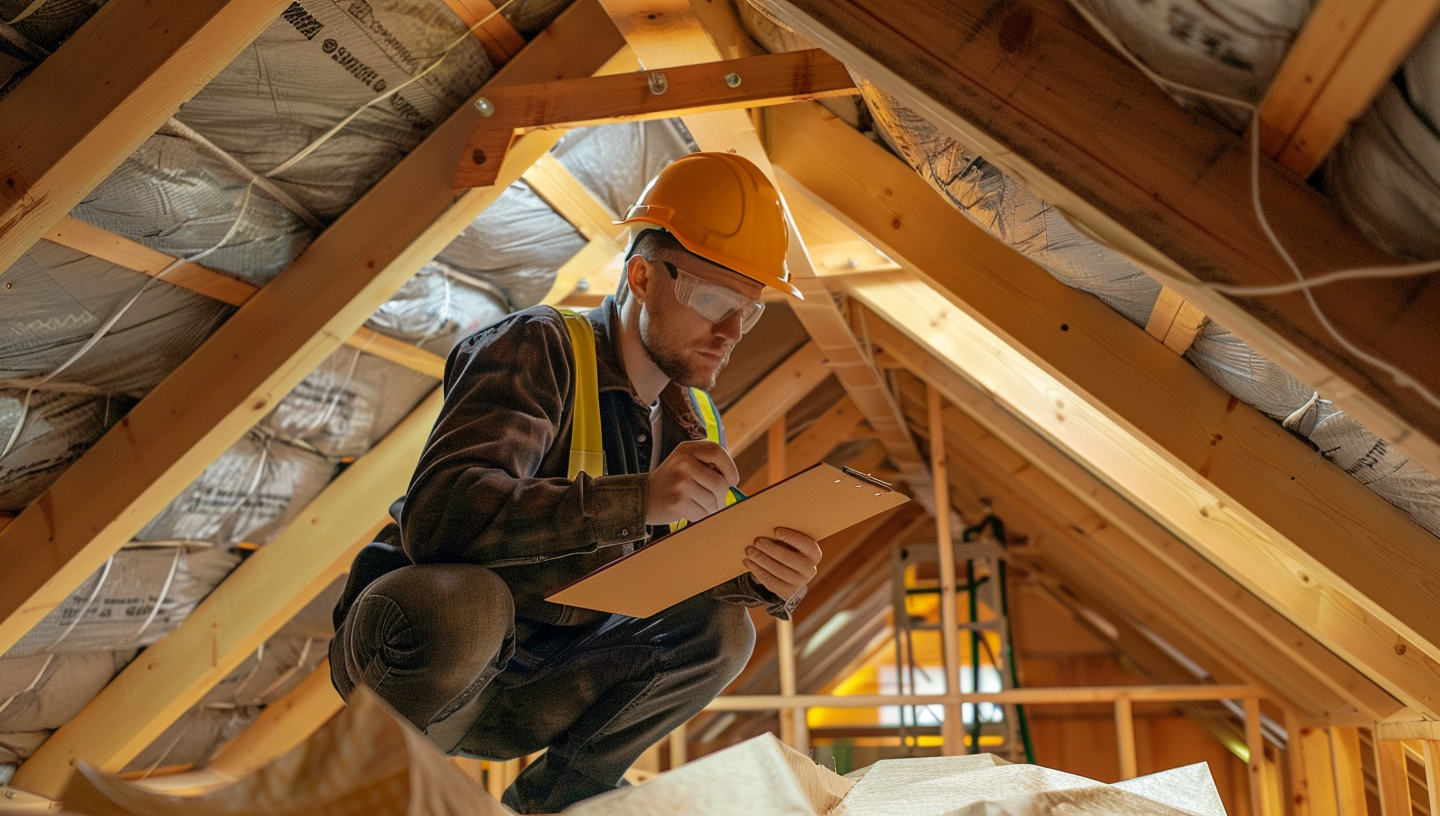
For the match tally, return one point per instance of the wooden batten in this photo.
(563, 192)
(1034, 91)
(782, 389)
(1340, 61)
(269, 345)
(500, 39)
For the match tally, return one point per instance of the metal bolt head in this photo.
(733, 80)
(485, 106)
(658, 83)
(582, 285)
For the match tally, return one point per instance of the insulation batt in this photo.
(139, 596)
(614, 162)
(438, 308)
(58, 429)
(44, 690)
(249, 494)
(31, 31)
(348, 404)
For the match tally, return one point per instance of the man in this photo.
(445, 615)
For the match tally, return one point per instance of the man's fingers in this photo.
(801, 542)
(715, 456)
(771, 581)
(713, 482)
(789, 573)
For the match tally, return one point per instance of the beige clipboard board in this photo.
(819, 501)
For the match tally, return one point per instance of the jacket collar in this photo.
(610, 371)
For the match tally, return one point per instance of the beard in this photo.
(661, 347)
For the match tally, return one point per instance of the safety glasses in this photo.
(713, 301)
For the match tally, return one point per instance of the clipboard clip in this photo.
(867, 478)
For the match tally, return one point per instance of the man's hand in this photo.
(785, 563)
(691, 483)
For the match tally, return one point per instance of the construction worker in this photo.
(445, 618)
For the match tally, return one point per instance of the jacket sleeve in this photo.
(746, 591)
(475, 497)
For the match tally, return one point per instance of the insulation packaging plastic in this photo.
(1010, 211)
(438, 308)
(348, 404)
(249, 494)
(1259, 383)
(44, 690)
(31, 31)
(1385, 174)
(58, 429)
(1230, 47)
(615, 162)
(137, 597)
(516, 245)
(58, 298)
(17, 747)
(1379, 466)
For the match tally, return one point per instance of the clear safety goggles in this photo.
(713, 301)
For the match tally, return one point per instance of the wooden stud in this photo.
(1349, 771)
(677, 32)
(1133, 539)
(1392, 778)
(1125, 738)
(1255, 742)
(283, 724)
(811, 446)
(771, 398)
(678, 746)
(1034, 91)
(1320, 789)
(1432, 775)
(250, 605)
(566, 196)
(1342, 58)
(62, 132)
(952, 726)
(500, 39)
(685, 90)
(269, 345)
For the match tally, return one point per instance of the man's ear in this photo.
(639, 280)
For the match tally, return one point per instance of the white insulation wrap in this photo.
(57, 429)
(138, 596)
(1009, 211)
(1385, 174)
(42, 691)
(348, 404)
(1230, 47)
(615, 162)
(438, 308)
(249, 494)
(31, 30)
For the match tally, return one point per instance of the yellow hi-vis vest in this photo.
(587, 449)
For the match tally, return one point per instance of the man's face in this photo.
(685, 346)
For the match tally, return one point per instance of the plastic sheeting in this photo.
(249, 494)
(615, 162)
(438, 308)
(348, 404)
(1010, 211)
(516, 246)
(1230, 47)
(58, 429)
(43, 691)
(137, 597)
(1385, 174)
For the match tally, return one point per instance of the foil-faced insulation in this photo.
(615, 162)
(42, 691)
(31, 30)
(439, 307)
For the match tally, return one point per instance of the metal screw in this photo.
(658, 83)
(582, 285)
(733, 80)
(485, 106)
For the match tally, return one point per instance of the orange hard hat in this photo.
(722, 208)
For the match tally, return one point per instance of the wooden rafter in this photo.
(249, 606)
(500, 39)
(1226, 479)
(269, 345)
(775, 394)
(814, 443)
(1033, 90)
(565, 194)
(676, 32)
(685, 90)
(593, 272)
(62, 132)
(1340, 61)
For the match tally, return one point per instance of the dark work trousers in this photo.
(441, 644)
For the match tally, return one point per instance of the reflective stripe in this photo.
(715, 432)
(587, 450)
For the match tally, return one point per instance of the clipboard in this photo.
(818, 501)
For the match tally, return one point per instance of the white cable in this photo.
(1302, 284)
(339, 126)
(164, 591)
(95, 593)
(29, 10)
